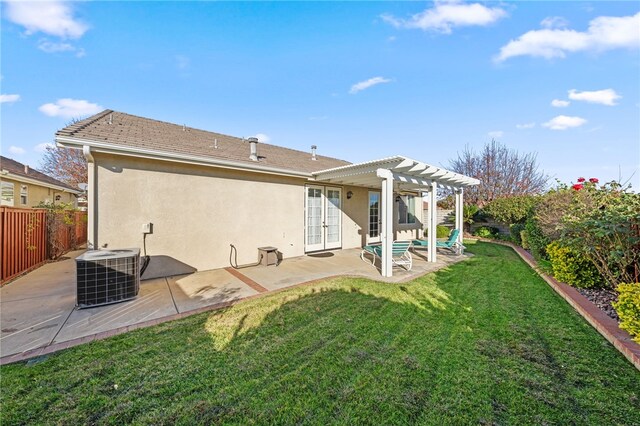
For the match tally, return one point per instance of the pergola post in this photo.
(459, 213)
(433, 221)
(387, 220)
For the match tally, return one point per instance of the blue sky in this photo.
(360, 80)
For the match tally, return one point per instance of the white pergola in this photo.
(395, 174)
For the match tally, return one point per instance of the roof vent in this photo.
(111, 118)
(215, 143)
(313, 152)
(26, 169)
(253, 144)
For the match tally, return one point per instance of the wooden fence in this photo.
(30, 237)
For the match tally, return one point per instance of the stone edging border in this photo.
(604, 324)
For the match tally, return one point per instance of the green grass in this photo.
(484, 341)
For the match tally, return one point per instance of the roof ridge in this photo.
(72, 128)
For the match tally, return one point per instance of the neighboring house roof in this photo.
(130, 133)
(21, 172)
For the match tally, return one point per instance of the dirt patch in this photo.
(602, 298)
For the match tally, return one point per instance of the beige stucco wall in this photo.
(198, 211)
(37, 194)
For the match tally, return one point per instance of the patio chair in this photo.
(452, 243)
(400, 255)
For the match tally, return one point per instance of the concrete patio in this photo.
(38, 312)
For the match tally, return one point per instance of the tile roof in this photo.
(125, 130)
(17, 168)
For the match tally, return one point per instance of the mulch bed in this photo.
(602, 298)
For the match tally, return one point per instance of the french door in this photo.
(323, 218)
(373, 234)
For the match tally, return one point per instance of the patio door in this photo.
(323, 218)
(373, 234)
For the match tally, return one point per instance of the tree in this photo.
(502, 172)
(65, 164)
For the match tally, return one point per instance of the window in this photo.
(7, 194)
(23, 195)
(406, 209)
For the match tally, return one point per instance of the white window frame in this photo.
(6, 201)
(24, 192)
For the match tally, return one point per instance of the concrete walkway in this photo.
(38, 313)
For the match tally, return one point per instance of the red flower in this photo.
(581, 179)
(578, 186)
(594, 180)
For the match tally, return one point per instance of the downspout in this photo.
(92, 240)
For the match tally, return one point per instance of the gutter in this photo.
(95, 146)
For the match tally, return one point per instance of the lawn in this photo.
(484, 341)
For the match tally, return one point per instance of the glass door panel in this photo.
(313, 219)
(333, 218)
(373, 235)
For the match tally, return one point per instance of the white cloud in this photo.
(563, 122)
(70, 108)
(55, 47)
(558, 103)
(526, 126)
(604, 33)
(9, 99)
(367, 84)
(604, 97)
(495, 134)
(16, 150)
(445, 15)
(554, 22)
(262, 138)
(42, 147)
(50, 17)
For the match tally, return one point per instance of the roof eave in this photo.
(38, 182)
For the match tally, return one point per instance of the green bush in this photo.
(511, 209)
(628, 308)
(486, 232)
(516, 230)
(441, 231)
(571, 268)
(524, 239)
(536, 241)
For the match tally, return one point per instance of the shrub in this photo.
(602, 223)
(516, 232)
(549, 212)
(513, 209)
(524, 239)
(469, 215)
(628, 308)
(486, 232)
(535, 240)
(441, 231)
(571, 268)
